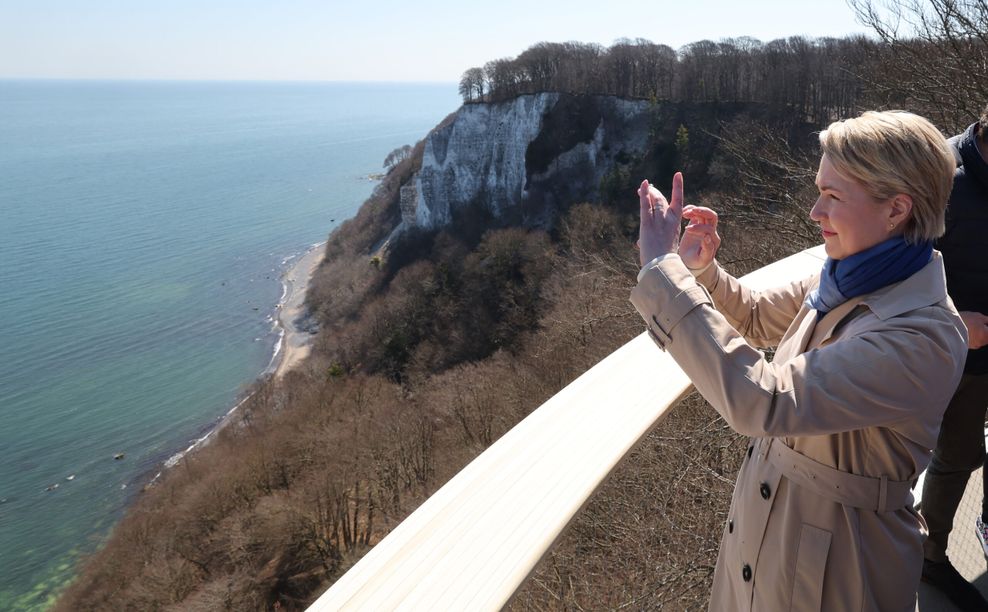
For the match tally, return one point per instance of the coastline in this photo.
(170, 342)
(296, 334)
(292, 347)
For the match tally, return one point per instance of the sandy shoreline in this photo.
(295, 342)
(293, 347)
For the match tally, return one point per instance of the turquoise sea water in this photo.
(143, 230)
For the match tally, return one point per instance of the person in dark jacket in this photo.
(961, 444)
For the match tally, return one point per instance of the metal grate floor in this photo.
(963, 549)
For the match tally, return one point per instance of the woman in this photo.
(868, 354)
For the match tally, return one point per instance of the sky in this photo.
(360, 40)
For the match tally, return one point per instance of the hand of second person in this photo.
(660, 219)
(700, 240)
(977, 328)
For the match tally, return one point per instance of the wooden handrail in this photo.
(475, 541)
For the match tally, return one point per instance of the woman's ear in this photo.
(901, 209)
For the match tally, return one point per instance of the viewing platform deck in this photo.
(964, 549)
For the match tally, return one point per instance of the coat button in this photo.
(750, 448)
(765, 490)
(730, 526)
(746, 572)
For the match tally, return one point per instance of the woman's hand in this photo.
(659, 231)
(700, 240)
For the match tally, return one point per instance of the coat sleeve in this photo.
(762, 317)
(875, 378)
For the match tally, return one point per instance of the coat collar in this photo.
(826, 326)
(924, 288)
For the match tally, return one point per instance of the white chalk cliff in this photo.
(523, 159)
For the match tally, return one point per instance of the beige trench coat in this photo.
(842, 422)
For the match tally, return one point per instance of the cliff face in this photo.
(523, 160)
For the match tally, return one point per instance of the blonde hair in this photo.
(893, 152)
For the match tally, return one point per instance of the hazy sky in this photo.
(424, 40)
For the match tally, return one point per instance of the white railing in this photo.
(475, 541)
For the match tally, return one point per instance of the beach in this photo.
(293, 346)
(295, 343)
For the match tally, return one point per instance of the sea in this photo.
(144, 228)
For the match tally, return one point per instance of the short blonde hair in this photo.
(895, 152)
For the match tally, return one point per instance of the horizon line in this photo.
(223, 80)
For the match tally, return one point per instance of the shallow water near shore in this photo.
(145, 229)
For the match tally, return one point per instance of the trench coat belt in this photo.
(864, 492)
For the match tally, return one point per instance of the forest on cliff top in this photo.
(416, 370)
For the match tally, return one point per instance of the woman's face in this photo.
(850, 219)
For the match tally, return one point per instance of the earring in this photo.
(891, 226)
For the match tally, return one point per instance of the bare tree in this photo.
(503, 77)
(540, 64)
(397, 156)
(935, 57)
(472, 85)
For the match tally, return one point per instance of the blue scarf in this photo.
(883, 264)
